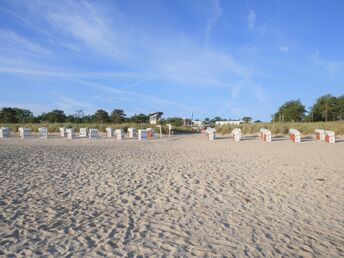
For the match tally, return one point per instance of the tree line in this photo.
(17, 115)
(117, 116)
(326, 108)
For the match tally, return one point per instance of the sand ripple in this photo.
(186, 197)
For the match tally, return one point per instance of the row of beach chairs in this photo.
(295, 136)
(119, 134)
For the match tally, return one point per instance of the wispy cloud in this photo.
(123, 54)
(215, 14)
(284, 49)
(10, 39)
(251, 19)
(332, 67)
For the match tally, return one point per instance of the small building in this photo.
(230, 122)
(197, 123)
(155, 117)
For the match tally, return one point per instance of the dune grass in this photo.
(283, 128)
(54, 127)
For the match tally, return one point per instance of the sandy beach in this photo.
(181, 197)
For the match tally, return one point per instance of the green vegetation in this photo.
(326, 108)
(291, 111)
(283, 128)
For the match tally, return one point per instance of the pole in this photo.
(159, 126)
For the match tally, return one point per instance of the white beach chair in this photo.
(24, 132)
(169, 130)
(70, 133)
(330, 136)
(119, 134)
(83, 132)
(109, 132)
(236, 134)
(319, 134)
(132, 133)
(295, 135)
(92, 133)
(63, 132)
(142, 134)
(43, 133)
(4, 132)
(265, 134)
(210, 133)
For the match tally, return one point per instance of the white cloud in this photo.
(332, 67)
(251, 19)
(11, 39)
(284, 49)
(111, 38)
(216, 12)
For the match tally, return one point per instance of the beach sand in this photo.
(180, 197)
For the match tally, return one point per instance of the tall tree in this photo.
(117, 116)
(340, 103)
(176, 121)
(8, 115)
(55, 116)
(140, 118)
(101, 116)
(290, 111)
(247, 119)
(23, 115)
(325, 108)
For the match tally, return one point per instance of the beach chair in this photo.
(330, 136)
(295, 135)
(142, 134)
(265, 135)
(83, 132)
(70, 133)
(132, 133)
(24, 132)
(236, 134)
(4, 132)
(63, 132)
(210, 133)
(43, 133)
(150, 133)
(169, 130)
(92, 133)
(109, 132)
(319, 134)
(119, 134)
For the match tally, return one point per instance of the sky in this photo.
(182, 57)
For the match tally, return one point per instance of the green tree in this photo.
(290, 111)
(176, 121)
(206, 121)
(55, 116)
(101, 116)
(117, 116)
(140, 118)
(247, 119)
(8, 115)
(325, 109)
(23, 115)
(340, 103)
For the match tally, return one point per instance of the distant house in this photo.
(197, 123)
(155, 117)
(231, 122)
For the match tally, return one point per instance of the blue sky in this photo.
(207, 57)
